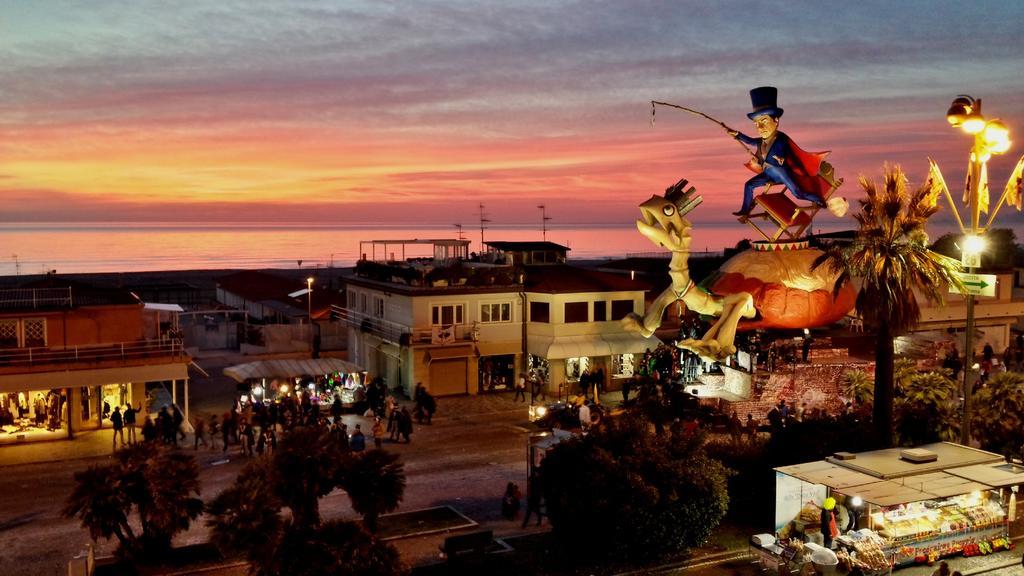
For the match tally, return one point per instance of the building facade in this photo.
(70, 354)
(464, 326)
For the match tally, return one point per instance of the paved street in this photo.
(464, 459)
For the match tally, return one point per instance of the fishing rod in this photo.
(655, 104)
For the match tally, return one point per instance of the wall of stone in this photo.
(819, 385)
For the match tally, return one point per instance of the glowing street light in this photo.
(309, 310)
(990, 137)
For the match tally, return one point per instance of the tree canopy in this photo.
(625, 492)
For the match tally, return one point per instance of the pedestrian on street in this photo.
(129, 422)
(393, 423)
(584, 415)
(533, 499)
(378, 433)
(627, 385)
(510, 501)
(429, 406)
(520, 389)
(200, 434)
(117, 421)
(179, 428)
(225, 431)
(214, 432)
(358, 440)
(149, 430)
(405, 424)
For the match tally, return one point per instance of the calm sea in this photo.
(122, 247)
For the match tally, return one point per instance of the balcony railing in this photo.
(379, 327)
(31, 298)
(123, 352)
(393, 332)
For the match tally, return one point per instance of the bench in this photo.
(471, 545)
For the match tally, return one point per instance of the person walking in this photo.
(533, 500)
(129, 422)
(520, 388)
(405, 424)
(214, 432)
(358, 440)
(149, 430)
(117, 422)
(393, 423)
(200, 434)
(179, 425)
(378, 433)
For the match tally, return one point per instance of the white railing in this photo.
(116, 352)
(22, 298)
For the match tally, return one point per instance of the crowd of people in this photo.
(253, 426)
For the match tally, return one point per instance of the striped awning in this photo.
(289, 368)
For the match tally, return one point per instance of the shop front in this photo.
(27, 415)
(891, 508)
(318, 380)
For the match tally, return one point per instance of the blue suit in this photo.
(774, 169)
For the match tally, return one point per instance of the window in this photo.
(446, 314)
(490, 313)
(362, 303)
(350, 299)
(574, 367)
(9, 334)
(576, 312)
(621, 308)
(540, 312)
(378, 306)
(600, 311)
(623, 365)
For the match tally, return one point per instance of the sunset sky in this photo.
(345, 111)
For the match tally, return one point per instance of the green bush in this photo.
(625, 493)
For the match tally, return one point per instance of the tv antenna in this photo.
(459, 228)
(17, 265)
(544, 221)
(483, 221)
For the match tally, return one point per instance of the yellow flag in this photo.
(983, 189)
(1013, 185)
(936, 183)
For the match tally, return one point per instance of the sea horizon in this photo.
(31, 248)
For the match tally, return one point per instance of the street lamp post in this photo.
(309, 310)
(990, 137)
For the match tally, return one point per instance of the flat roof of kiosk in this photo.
(887, 464)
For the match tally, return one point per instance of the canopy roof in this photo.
(883, 478)
(590, 345)
(289, 368)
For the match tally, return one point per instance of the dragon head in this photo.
(664, 221)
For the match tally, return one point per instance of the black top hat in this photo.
(763, 100)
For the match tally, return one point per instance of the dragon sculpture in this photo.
(664, 223)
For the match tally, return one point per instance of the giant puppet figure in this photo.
(777, 159)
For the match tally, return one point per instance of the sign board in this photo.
(971, 260)
(976, 284)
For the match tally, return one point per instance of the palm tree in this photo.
(100, 504)
(247, 515)
(997, 417)
(159, 484)
(926, 411)
(375, 482)
(858, 388)
(891, 259)
(305, 464)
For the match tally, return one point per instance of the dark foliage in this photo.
(309, 463)
(160, 485)
(624, 492)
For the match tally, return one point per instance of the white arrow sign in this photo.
(976, 284)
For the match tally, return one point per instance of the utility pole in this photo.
(483, 221)
(544, 222)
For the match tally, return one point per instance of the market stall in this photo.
(322, 379)
(892, 508)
